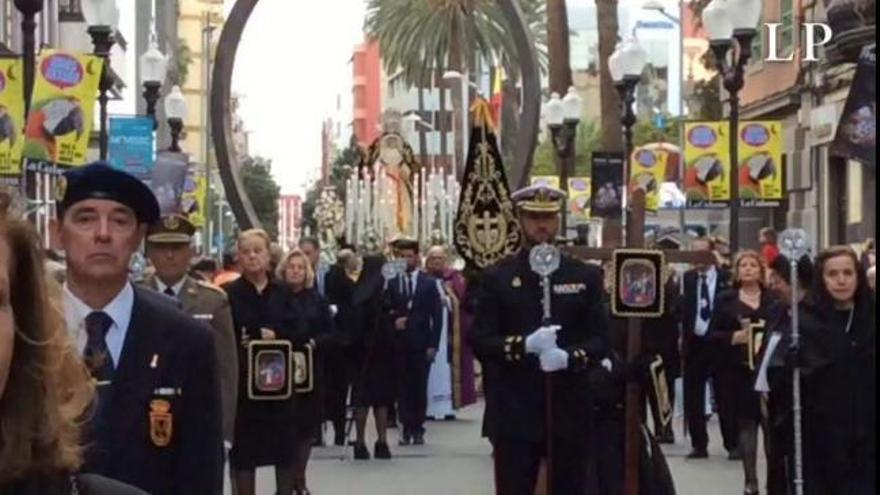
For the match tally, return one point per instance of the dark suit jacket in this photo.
(424, 313)
(167, 358)
(208, 304)
(688, 303)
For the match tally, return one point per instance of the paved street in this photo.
(456, 461)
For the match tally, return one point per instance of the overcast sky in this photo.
(292, 63)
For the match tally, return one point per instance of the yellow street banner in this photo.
(760, 163)
(547, 180)
(194, 196)
(579, 194)
(707, 164)
(647, 172)
(62, 107)
(11, 115)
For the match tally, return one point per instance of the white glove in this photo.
(334, 310)
(542, 339)
(554, 359)
(606, 363)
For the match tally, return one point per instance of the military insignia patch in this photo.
(161, 422)
(171, 222)
(569, 288)
(60, 188)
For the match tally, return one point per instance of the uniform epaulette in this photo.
(207, 285)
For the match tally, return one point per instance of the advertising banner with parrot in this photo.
(62, 107)
(579, 189)
(707, 164)
(648, 169)
(195, 196)
(11, 116)
(547, 180)
(760, 163)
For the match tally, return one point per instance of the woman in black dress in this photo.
(839, 378)
(371, 353)
(747, 309)
(263, 308)
(320, 335)
(776, 381)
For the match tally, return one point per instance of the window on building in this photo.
(70, 10)
(758, 43)
(787, 30)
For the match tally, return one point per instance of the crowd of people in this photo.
(114, 385)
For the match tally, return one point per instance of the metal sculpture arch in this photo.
(221, 118)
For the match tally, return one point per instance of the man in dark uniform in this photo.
(520, 354)
(169, 247)
(157, 421)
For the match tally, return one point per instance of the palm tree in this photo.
(606, 15)
(558, 42)
(425, 38)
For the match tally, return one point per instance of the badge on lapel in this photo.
(161, 422)
(517, 283)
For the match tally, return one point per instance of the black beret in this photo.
(99, 180)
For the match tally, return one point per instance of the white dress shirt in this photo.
(701, 326)
(174, 288)
(119, 310)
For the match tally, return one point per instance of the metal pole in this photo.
(682, 212)
(796, 383)
(734, 165)
(207, 31)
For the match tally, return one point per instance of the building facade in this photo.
(289, 220)
(367, 78)
(198, 28)
(831, 198)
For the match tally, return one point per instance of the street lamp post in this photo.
(102, 17)
(175, 111)
(563, 116)
(626, 65)
(731, 25)
(153, 66)
(29, 10)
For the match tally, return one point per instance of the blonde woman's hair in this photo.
(49, 388)
(255, 233)
(745, 254)
(297, 253)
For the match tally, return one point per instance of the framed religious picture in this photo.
(638, 283)
(756, 340)
(661, 391)
(303, 370)
(270, 370)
